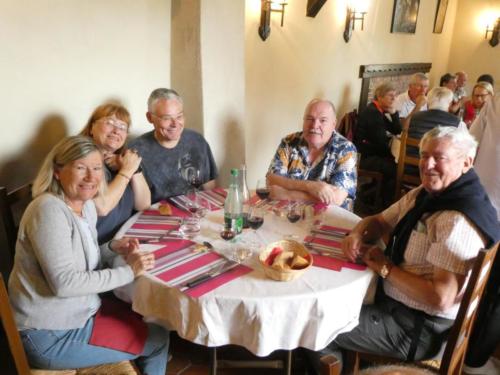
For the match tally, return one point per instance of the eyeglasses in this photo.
(118, 125)
(480, 95)
(170, 119)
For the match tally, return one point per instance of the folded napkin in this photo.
(117, 327)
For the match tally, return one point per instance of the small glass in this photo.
(241, 253)
(190, 227)
(227, 234)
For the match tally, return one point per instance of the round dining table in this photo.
(253, 311)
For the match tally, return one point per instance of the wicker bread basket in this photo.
(286, 274)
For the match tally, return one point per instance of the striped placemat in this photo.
(213, 199)
(325, 243)
(153, 227)
(180, 262)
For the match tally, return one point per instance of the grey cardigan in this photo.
(50, 286)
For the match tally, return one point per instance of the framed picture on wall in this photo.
(440, 16)
(404, 16)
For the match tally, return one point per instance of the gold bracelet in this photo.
(124, 175)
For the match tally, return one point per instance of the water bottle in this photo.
(245, 194)
(233, 206)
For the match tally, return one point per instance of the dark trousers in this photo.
(387, 328)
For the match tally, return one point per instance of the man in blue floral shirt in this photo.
(317, 163)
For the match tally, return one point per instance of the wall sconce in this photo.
(350, 21)
(266, 8)
(495, 31)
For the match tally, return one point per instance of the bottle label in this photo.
(234, 223)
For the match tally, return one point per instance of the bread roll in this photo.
(165, 209)
(299, 262)
(282, 260)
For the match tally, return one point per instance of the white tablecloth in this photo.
(253, 311)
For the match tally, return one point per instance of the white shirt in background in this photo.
(486, 130)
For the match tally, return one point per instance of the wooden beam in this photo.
(313, 7)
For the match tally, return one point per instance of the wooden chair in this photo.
(347, 128)
(404, 180)
(458, 338)
(19, 356)
(12, 205)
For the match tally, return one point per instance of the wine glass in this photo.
(262, 189)
(194, 177)
(191, 202)
(255, 221)
(294, 212)
(255, 218)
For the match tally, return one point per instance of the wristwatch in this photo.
(138, 170)
(385, 270)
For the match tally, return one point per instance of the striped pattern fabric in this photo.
(325, 244)
(180, 262)
(211, 199)
(151, 226)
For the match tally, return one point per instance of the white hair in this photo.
(162, 93)
(440, 98)
(459, 137)
(417, 78)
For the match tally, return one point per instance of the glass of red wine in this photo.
(195, 178)
(255, 217)
(227, 234)
(262, 189)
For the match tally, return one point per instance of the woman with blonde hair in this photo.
(128, 190)
(59, 271)
(481, 92)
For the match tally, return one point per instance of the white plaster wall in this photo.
(223, 82)
(308, 58)
(59, 59)
(469, 50)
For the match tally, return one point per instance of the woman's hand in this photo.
(140, 261)
(129, 161)
(124, 246)
(112, 161)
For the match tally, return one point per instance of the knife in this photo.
(208, 276)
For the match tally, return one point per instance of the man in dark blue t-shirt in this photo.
(171, 155)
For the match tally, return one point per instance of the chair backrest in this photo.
(12, 205)
(9, 325)
(347, 125)
(404, 160)
(454, 354)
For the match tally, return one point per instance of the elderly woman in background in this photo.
(128, 190)
(58, 271)
(376, 125)
(481, 92)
